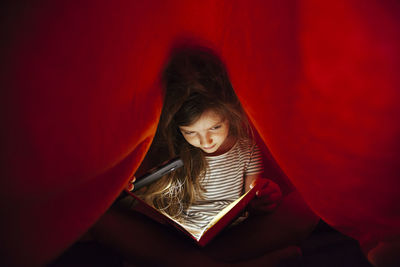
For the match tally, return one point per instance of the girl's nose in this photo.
(205, 140)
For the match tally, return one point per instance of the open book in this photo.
(205, 235)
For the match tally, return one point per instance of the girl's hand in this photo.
(267, 198)
(130, 185)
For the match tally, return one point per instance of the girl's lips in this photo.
(208, 148)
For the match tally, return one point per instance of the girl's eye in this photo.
(187, 133)
(216, 127)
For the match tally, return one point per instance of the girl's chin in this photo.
(215, 151)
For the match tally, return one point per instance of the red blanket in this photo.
(80, 101)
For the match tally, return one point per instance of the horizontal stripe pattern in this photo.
(223, 182)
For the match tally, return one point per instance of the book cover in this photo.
(201, 236)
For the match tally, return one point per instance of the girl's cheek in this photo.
(191, 141)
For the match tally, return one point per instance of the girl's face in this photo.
(209, 133)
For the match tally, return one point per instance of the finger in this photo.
(267, 191)
(267, 202)
(270, 184)
(132, 180)
(272, 199)
(264, 192)
(272, 188)
(130, 187)
(262, 180)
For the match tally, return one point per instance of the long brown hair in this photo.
(195, 80)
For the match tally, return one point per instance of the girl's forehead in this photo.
(207, 118)
(211, 115)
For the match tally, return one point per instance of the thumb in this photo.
(253, 184)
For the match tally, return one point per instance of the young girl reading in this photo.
(204, 124)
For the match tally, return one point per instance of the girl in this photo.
(204, 123)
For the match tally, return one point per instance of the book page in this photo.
(197, 233)
(224, 212)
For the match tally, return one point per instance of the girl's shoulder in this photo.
(246, 144)
(245, 147)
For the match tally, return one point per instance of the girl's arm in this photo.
(249, 180)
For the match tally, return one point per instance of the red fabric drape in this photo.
(80, 102)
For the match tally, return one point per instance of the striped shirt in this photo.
(223, 181)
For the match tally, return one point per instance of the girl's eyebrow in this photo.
(217, 124)
(182, 129)
(214, 125)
